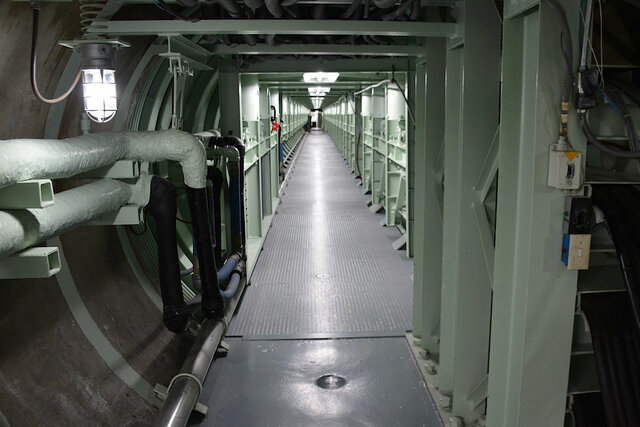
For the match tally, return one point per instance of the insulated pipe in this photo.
(22, 228)
(53, 158)
(212, 302)
(186, 387)
(176, 316)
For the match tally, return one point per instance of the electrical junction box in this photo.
(565, 168)
(576, 241)
(575, 251)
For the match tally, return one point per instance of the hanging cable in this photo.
(567, 53)
(601, 145)
(34, 44)
(406, 101)
(160, 4)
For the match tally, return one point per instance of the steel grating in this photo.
(327, 268)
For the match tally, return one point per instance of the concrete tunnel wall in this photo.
(87, 346)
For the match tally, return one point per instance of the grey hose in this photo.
(415, 10)
(289, 2)
(232, 7)
(600, 145)
(254, 4)
(401, 10)
(384, 4)
(351, 9)
(274, 7)
(250, 39)
(271, 40)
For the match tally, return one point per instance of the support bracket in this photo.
(31, 263)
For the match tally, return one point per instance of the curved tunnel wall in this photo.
(88, 345)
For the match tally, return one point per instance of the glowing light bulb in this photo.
(99, 91)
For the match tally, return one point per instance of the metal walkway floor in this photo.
(328, 296)
(327, 268)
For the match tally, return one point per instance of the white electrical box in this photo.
(565, 168)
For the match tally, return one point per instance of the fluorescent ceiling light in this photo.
(320, 77)
(318, 90)
(317, 101)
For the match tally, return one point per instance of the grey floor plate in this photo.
(272, 383)
(327, 267)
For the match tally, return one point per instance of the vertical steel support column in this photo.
(430, 121)
(451, 208)
(466, 295)
(410, 163)
(534, 294)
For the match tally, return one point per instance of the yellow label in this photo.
(571, 154)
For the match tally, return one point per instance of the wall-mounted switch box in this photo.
(565, 168)
(575, 251)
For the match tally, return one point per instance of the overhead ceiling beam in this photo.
(303, 85)
(320, 49)
(445, 3)
(274, 26)
(343, 66)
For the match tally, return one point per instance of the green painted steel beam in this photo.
(534, 294)
(31, 263)
(303, 85)
(433, 3)
(320, 49)
(276, 65)
(430, 120)
(473, 89)
(36, 193)
(273, 26)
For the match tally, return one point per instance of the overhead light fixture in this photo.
(98, 76)
(318, 90)
(320, 77)
(99, 81)
(317, 101)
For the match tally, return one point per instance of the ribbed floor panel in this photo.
(327, 268)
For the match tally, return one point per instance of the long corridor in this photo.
(319, 336)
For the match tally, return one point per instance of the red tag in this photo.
(274, 126)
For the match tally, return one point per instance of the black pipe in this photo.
(238, 170)
(216, 177)
(212, 302)
(163, 207)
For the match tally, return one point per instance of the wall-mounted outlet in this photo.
(565, 168)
